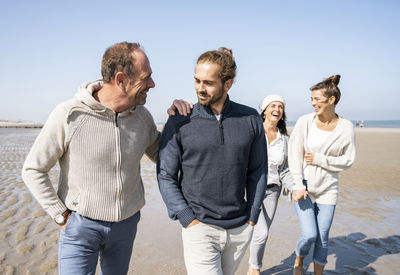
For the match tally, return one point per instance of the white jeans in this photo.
(213, 250)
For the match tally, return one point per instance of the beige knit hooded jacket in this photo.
(336, 154)
(99, 153)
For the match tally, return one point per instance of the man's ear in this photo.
(228, 84)
(119, 79)
(332, 99)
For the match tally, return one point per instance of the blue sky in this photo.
(284, 47)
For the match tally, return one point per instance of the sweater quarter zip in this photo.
(221, 131)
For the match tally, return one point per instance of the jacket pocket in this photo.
(73, 204)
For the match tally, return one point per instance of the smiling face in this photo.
(274, 112)
(137, 87)
(209, 87)
(321, 103)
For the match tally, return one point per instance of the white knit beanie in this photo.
(268, 99)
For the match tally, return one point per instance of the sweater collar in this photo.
(207, 112)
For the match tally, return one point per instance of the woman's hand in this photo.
(309, 157)
(299, 195)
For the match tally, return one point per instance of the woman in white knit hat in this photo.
(321, 145)
(274, 119)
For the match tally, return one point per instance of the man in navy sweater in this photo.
(212, 168)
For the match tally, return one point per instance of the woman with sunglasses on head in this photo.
(321, 145)
(274, 120)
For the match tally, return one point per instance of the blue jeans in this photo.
(315, 221)
(84, 240)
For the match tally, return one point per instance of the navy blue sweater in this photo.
(213, 171)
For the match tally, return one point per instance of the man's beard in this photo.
(211, 99)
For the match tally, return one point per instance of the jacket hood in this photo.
(85, 95)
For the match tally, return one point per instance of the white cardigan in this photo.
(336, 154)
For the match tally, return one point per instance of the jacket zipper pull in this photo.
(116, 119)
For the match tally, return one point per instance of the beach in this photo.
(364, 238)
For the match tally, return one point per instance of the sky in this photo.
(48, 49)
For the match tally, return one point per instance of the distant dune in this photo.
(19, 124)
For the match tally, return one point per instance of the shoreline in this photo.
(30, 124)
(19, 124)
(356, 129)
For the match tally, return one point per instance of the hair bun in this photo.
(334, 79)
(329, 87)
(225, 50)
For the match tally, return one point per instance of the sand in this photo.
(364, 239)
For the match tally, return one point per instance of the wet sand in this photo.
(364, 239)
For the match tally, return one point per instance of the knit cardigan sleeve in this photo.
(152, 149)
(152, 133)
(343, 161)
(296, 153)
(48, 147)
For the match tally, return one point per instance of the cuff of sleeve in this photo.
(56, 209)
(298, 186)
(254, 213)
(186, 216)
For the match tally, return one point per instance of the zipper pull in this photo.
(116, 119)
(221, 130)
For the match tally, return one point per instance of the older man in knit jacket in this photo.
(98, 137)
